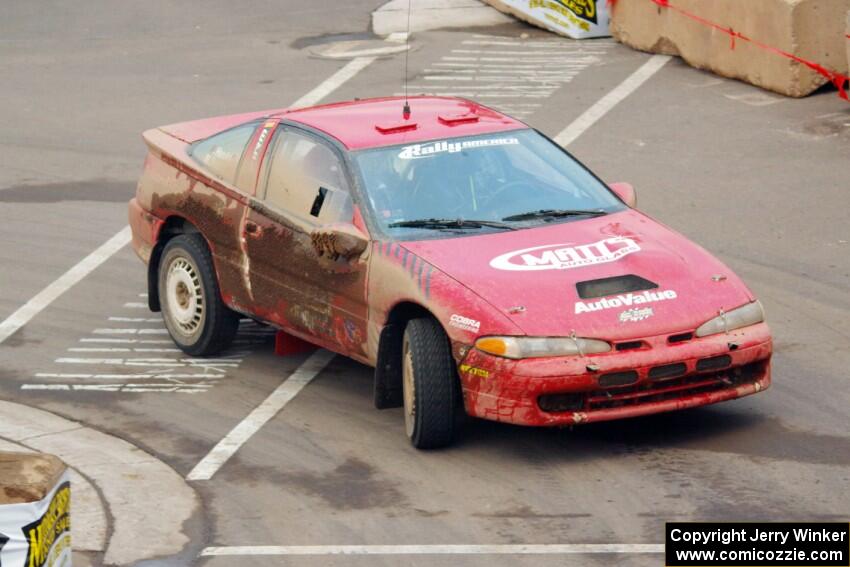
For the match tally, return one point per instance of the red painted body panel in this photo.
(507, 283)
(195, 130)
(355, 123)
(549, 295)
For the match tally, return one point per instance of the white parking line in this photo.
(68, 376)
(129, 341)
(333, 82)
(592, 115)
(62, 284)
(506, 549)
(290, 387)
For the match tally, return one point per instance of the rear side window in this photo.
(221, 154)
(306, 178)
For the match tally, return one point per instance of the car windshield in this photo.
(513, 179)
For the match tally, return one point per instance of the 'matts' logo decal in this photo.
(565, 256)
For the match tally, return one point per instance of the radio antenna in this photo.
(406, 110)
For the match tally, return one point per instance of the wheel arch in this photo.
(387, 388)
(174, 225)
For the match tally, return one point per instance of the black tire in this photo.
(196, 318)
(428, 366)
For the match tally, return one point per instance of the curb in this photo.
(435, 14)
(134, 484)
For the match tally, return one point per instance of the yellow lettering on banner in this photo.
(567, 11)
(55, 521)
(37, 546)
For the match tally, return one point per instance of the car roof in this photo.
(377, 122)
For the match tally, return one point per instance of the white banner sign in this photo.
(38, 534)
(578, 19)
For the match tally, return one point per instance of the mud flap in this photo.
(388, 389)
(153, 279)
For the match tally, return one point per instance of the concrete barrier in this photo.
(810, 29)
(847, 38)
(35, 496)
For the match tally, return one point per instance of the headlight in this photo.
(536, 347)
(749, 314)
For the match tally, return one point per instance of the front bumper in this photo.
(657, 376)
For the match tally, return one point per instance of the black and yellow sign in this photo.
(584, 9)
(54, 527)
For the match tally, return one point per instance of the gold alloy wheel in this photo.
(185, 296)
(408, 389)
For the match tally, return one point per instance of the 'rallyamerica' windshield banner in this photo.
(38, 534)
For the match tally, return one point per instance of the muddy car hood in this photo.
(531, 276)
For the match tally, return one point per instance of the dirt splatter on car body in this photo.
(334, 275)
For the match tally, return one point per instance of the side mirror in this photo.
(339, 240)
(625, 192)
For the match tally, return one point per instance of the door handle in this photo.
(253, 229)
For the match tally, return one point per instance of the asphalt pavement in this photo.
(757, 179)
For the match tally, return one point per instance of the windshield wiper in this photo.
(450, 223)
(554, 213)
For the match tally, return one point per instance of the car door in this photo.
(304, 185)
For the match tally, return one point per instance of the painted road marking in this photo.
(496, 549)
(593, 114)
(146, 368)
(67, 375)
(509, 73)
(120, 349)
(62, 284)
(282, 395)
(333, 82)
(128, 341)
(145, 388)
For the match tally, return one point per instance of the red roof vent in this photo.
(455, 119)
(394, 127)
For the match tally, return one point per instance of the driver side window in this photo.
(306, 178)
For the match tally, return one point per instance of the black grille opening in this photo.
(554, 403)
(677, 387)
(615, 379)
(680, 338)
(668, 371)
(613, 286)
(630, 345)
(714, 363)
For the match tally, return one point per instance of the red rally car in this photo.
(468, 258)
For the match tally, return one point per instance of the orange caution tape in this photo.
(839, 80)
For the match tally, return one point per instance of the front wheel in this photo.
(197, 319)
(429, 385)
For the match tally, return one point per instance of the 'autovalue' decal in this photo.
(626, 300)
(417, 151)
(565, 256)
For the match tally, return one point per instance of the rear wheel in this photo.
(197, 319)
(428, 385)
